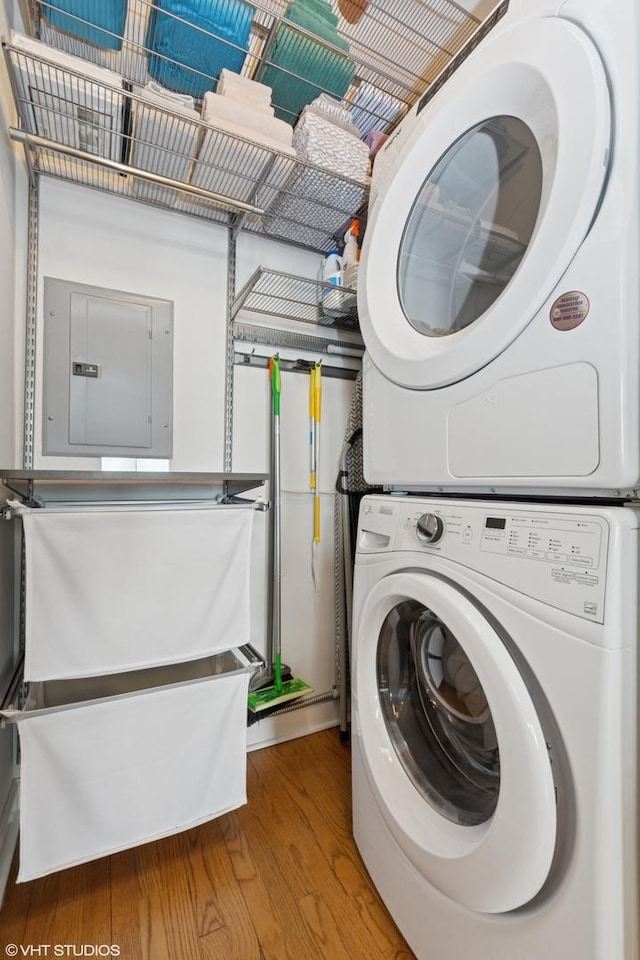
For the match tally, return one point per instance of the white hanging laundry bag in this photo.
(116, 590)
(159, 752)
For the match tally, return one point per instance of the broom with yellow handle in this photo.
(316, 374)
(269, 698)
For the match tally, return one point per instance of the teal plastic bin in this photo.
(187, 54)
(100, 22)
(316, 69)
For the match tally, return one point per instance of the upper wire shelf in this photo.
(100, 135)
(84, 124)
(380, 64)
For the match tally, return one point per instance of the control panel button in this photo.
(581, 561)
(429, 528)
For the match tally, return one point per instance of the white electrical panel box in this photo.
(108, 372)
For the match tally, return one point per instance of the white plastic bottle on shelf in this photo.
(331, 273)
(351, 259)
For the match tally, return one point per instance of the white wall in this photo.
(110, 242)
(308, 630)
(107, 241)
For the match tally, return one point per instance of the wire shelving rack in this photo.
(103, 133)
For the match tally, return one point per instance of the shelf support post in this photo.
(30, 327)
(230, 352)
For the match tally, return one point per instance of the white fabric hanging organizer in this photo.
(115, 590)
(146, 734)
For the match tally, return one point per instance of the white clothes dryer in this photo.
(498, 295)
(495, 725)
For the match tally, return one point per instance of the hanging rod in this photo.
(32, 140)
(141, 506)
(294, 366)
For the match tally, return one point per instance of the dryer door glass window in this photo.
(437, 716)
(470, 226)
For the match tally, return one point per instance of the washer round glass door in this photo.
(452, 744)
(494, 189)
(437, 715)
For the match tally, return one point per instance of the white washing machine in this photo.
(498, 293)
(494, 725)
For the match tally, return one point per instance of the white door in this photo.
(492, 194)
(452, 744)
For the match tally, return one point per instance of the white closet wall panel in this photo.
(308, 630)
(308, 619)
(252, 399)
(308, 623)
(255, 251)
(107, 241)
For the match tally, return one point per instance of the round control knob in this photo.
(429, 528)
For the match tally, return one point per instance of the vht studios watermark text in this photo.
(62, 950)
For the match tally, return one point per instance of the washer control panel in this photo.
(555, 554)
(550, 540)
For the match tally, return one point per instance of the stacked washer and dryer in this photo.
(494, 655)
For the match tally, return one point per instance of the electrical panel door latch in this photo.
(86, 369)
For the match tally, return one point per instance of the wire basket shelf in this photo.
(273, 293)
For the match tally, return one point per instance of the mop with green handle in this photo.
(269, 698)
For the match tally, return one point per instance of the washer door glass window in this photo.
(470, 226)
(437, 715)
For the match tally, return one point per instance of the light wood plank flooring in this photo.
(279, 879)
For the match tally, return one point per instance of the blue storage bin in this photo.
(95, 17)
(198, 57)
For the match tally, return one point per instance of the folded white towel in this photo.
(321, 112)
(332, 108)
(235, 168)
(246, 101)
(320, 140)
(156, 93)
(221, 111)
(242, 89)
(161, 143)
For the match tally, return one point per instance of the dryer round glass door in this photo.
(470, 227)
(452, 744)
(493, 191)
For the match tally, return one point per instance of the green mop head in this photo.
(272, 697)
(282, 690)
